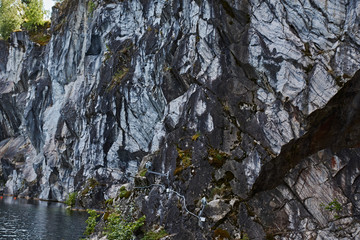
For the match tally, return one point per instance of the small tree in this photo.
(33, 14)
(91, 222)
(10, 17)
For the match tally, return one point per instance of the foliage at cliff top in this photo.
(33, 15)
(10, 17)
(16, 13)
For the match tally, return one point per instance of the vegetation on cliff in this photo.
(16, 14)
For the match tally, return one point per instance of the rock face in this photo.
(253, 105)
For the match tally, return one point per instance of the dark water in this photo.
(36, 220)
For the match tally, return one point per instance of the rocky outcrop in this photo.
(250, 104)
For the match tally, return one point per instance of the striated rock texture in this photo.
(253, 105)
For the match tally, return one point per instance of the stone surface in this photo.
(251, 104)
(217, 210)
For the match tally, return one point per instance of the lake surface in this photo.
(36, 220)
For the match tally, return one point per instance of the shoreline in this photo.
(51, 201)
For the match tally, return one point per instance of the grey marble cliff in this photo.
(254, 105)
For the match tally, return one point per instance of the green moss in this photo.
(167, 68)
(216, 157)
(119, 75)
(245, 236)
(220, 191)
(91, 7)
(124, 193)
(41, 36)
(106, 215)
(60, 25)
(109, 201)
(107, 56)
(117, 78)
(226, 107)
(196, 136)
(143, 172)
(93, 182)
(89, 186)
(183, 160)
(41, 39)
(126, 50)
(155, 235)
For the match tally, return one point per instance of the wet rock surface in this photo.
(250, 104)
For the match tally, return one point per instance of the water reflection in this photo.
(31, 219)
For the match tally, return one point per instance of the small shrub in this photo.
(41, 36)
(155, 235)
(41, 39)
(195, 136)
(91, 183)
(333, 206)
(126, 49)
(117, 78)
(71, 199)
(185, 157)
(124, 193)
(143, 172)
(167, 69)
(221, 191)
(109, 201)
(91, 7)
(60, 25)
(183, 160)
(245, 237)
(119, 75)
(91, 222)
(119, 228)
(107, 55)
(217, 158)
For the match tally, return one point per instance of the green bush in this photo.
(143, 172)
(122, 229)
(91, 7)
(124, 193)
(91, 221)
(10, 18)
(71, 199)
(155, 235)
(110, 201)
(183, 160)
(333, 206)
(34, 15)
(14, 13)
